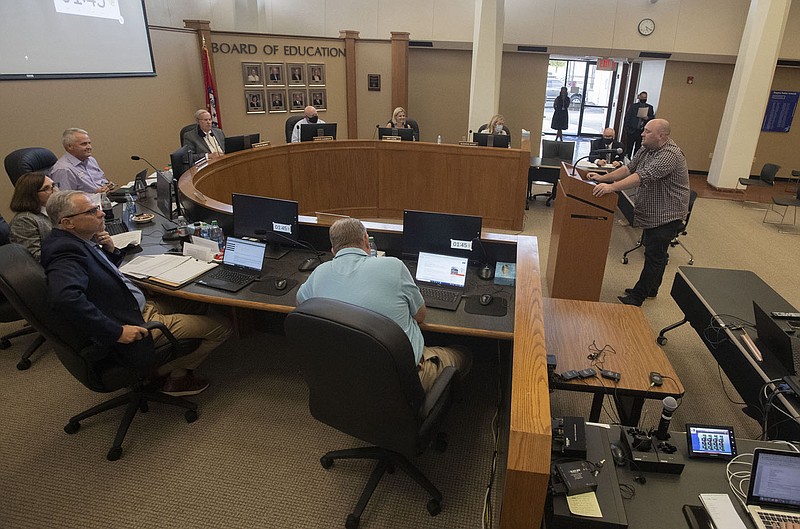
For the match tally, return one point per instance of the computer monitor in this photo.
(441, 233)
(404, 134)
(560, 150)
(271, 220)
(309, 130)
(164, 193)
(240, 143)
(498, 140)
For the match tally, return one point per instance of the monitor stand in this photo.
(275, 251)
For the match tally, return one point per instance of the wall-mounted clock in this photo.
(647, 26)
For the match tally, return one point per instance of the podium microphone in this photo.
(670, 405)
(575, 165)
(137, 158)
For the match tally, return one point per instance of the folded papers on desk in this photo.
(121, 240)
(170, 270)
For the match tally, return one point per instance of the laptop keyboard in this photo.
(115, 227)
(231, 276)
(448, 296)
(772, 519)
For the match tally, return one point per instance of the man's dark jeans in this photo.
(656, 243)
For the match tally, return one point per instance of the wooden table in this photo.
(571, 326)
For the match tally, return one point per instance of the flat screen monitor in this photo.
(497, 140)
(164, 193)
(272, 220)
(309, 130)
(560, 150)
(404, 134)
(240, 143)
(441, 233)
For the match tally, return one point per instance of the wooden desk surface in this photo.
(570, 328)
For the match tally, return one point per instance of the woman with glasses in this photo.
(31, 224)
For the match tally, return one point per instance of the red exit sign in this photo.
(606, 64)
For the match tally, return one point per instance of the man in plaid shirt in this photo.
(659, 170)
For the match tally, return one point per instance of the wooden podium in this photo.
(579, 239)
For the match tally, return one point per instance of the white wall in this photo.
(651, 77)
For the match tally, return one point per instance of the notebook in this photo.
(775, 340)
(774, 493)
(441, 279)
(241, 265)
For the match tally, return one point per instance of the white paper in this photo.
(121, 240)
(721, 511)
(585, 504)
(199, 252)
(206, 243)
(152, 265)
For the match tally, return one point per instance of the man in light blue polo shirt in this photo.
(383, 285)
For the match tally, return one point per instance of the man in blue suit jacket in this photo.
(85, 285)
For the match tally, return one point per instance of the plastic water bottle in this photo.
(106, 206)
(373, 249)
(439, 139)
(130, 207)
(216, 235)
(204, 231)
(183, 226)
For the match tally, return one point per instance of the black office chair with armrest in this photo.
(554, 151)
(23, 282)
(28, 160)
(676, 241)
(291, 121)
(362, 378)
(414, 127)
(186, 129)
(765, 179)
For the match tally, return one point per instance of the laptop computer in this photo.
(774, 494)
(441, 279)
(776, 341)
(240, 266)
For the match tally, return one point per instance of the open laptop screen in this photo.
(775, 479)
(442, 270)
(244, 254)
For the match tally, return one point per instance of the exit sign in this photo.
(606, 64)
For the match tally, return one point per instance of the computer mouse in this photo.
(309, 264)
(618, 454)
(486, 272)
(280, 284)
(485, 299)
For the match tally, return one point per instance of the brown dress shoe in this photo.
(184, 386)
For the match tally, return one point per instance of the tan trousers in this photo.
(435, 359)
(186, 319)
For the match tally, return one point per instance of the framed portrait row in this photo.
(280, 100)
(269, 74)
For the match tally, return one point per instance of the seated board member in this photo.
(607, 142)
(84, 284)
(31, 225)
(205, 138)
(383, 285)
(77, 168)
(310, 116)
(398, 120)
(496, 125)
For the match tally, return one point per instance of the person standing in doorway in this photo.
(561, 115)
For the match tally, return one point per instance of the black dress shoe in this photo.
(628, 300)
(629, 291)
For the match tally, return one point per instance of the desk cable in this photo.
(766, 399)
(488, 509)
(597, 357)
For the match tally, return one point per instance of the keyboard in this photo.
(448, 296)
(115, 227)
(773, 519)
(232, 276)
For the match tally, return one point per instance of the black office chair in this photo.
(28, 160)
(562, 151)
(362, 378)
(414, 127)
(186, 129)
(787, 202)
(23, 282)
(676, 241)
(765, 179)
(291, 121)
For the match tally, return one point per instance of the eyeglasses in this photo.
(92, 211)
(49, 187)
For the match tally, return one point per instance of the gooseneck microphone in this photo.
(137, 158)
(293, 241)
(670, 405)
(618, 150)
(575, 165)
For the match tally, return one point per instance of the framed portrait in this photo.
(276, 74)
(254, 101)
(319, 99)
(252, 74)
(276, 100)
(297, 74)
(374, 82)
(297, 100)
(316, 75)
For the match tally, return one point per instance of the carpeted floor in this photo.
(251, 460)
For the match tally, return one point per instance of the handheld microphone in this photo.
(670, 405)
(137, 158)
